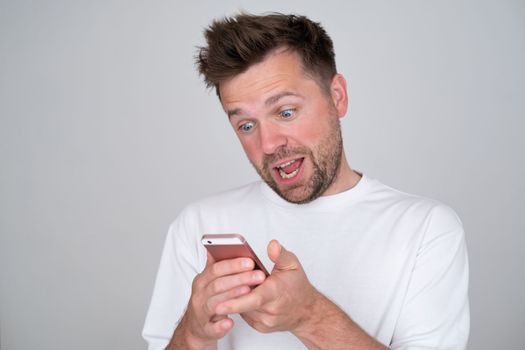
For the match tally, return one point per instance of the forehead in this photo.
(280, 70)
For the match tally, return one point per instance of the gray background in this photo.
(106, 132)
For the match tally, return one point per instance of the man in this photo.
(371, 267)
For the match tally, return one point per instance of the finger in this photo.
(210, 260)
(231, 287)
(218, 329)
(215, 270)
(251, 317)
(225, 267)
(249, 302)
(261, 321)
(217, 318)
(211, 303)
(283, 259)
(248, 278)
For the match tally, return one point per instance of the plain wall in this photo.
(107, 132)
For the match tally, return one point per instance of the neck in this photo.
(345, 179)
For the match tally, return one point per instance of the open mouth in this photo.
(289, 169)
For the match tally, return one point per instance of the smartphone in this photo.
(230, 246)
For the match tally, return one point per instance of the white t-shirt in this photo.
(395, 263)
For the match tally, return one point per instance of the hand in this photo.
(219, 282)
(282, 302)
(286, 301)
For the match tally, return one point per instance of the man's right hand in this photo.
(201, 327)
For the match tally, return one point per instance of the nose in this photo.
(271, 138)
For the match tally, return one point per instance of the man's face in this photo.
(288, 126)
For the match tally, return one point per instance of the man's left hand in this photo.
(282, 302)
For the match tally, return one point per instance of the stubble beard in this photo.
(325, 159)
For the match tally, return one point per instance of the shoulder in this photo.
(429, 212)
(221, 204)
(236, 197)
(212, 211)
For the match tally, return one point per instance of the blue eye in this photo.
(287, 113)
(246, 127)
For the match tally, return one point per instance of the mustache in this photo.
(282, 153)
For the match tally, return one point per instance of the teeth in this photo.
(286, 164)
(288, 176)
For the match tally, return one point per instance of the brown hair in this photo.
(236, 43)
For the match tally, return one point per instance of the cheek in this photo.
(308, 134)
(311, 135)
(314, 125)
(251, 149)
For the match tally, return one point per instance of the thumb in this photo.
(210, 260)
(282, 258)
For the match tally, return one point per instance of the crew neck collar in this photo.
(328, 202)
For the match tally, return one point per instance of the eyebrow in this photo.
(233, 112)
(269, 102)
(275, 98)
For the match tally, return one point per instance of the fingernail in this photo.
(258, 276)
(246, 263)
(225, 325)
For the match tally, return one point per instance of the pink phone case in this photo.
(230, 246)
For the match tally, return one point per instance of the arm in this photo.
(287, 301)
(200, 327)
(185, 282)
(328, 327)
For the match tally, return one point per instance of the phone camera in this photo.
(209, 242)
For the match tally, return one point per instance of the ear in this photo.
(339, 95)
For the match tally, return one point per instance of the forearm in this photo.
(183, 338)
(328, 327)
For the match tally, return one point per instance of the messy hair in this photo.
(236, 43)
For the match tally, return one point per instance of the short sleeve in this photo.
(178, 266)
(435, 313)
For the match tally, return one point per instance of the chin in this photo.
(297, 196)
